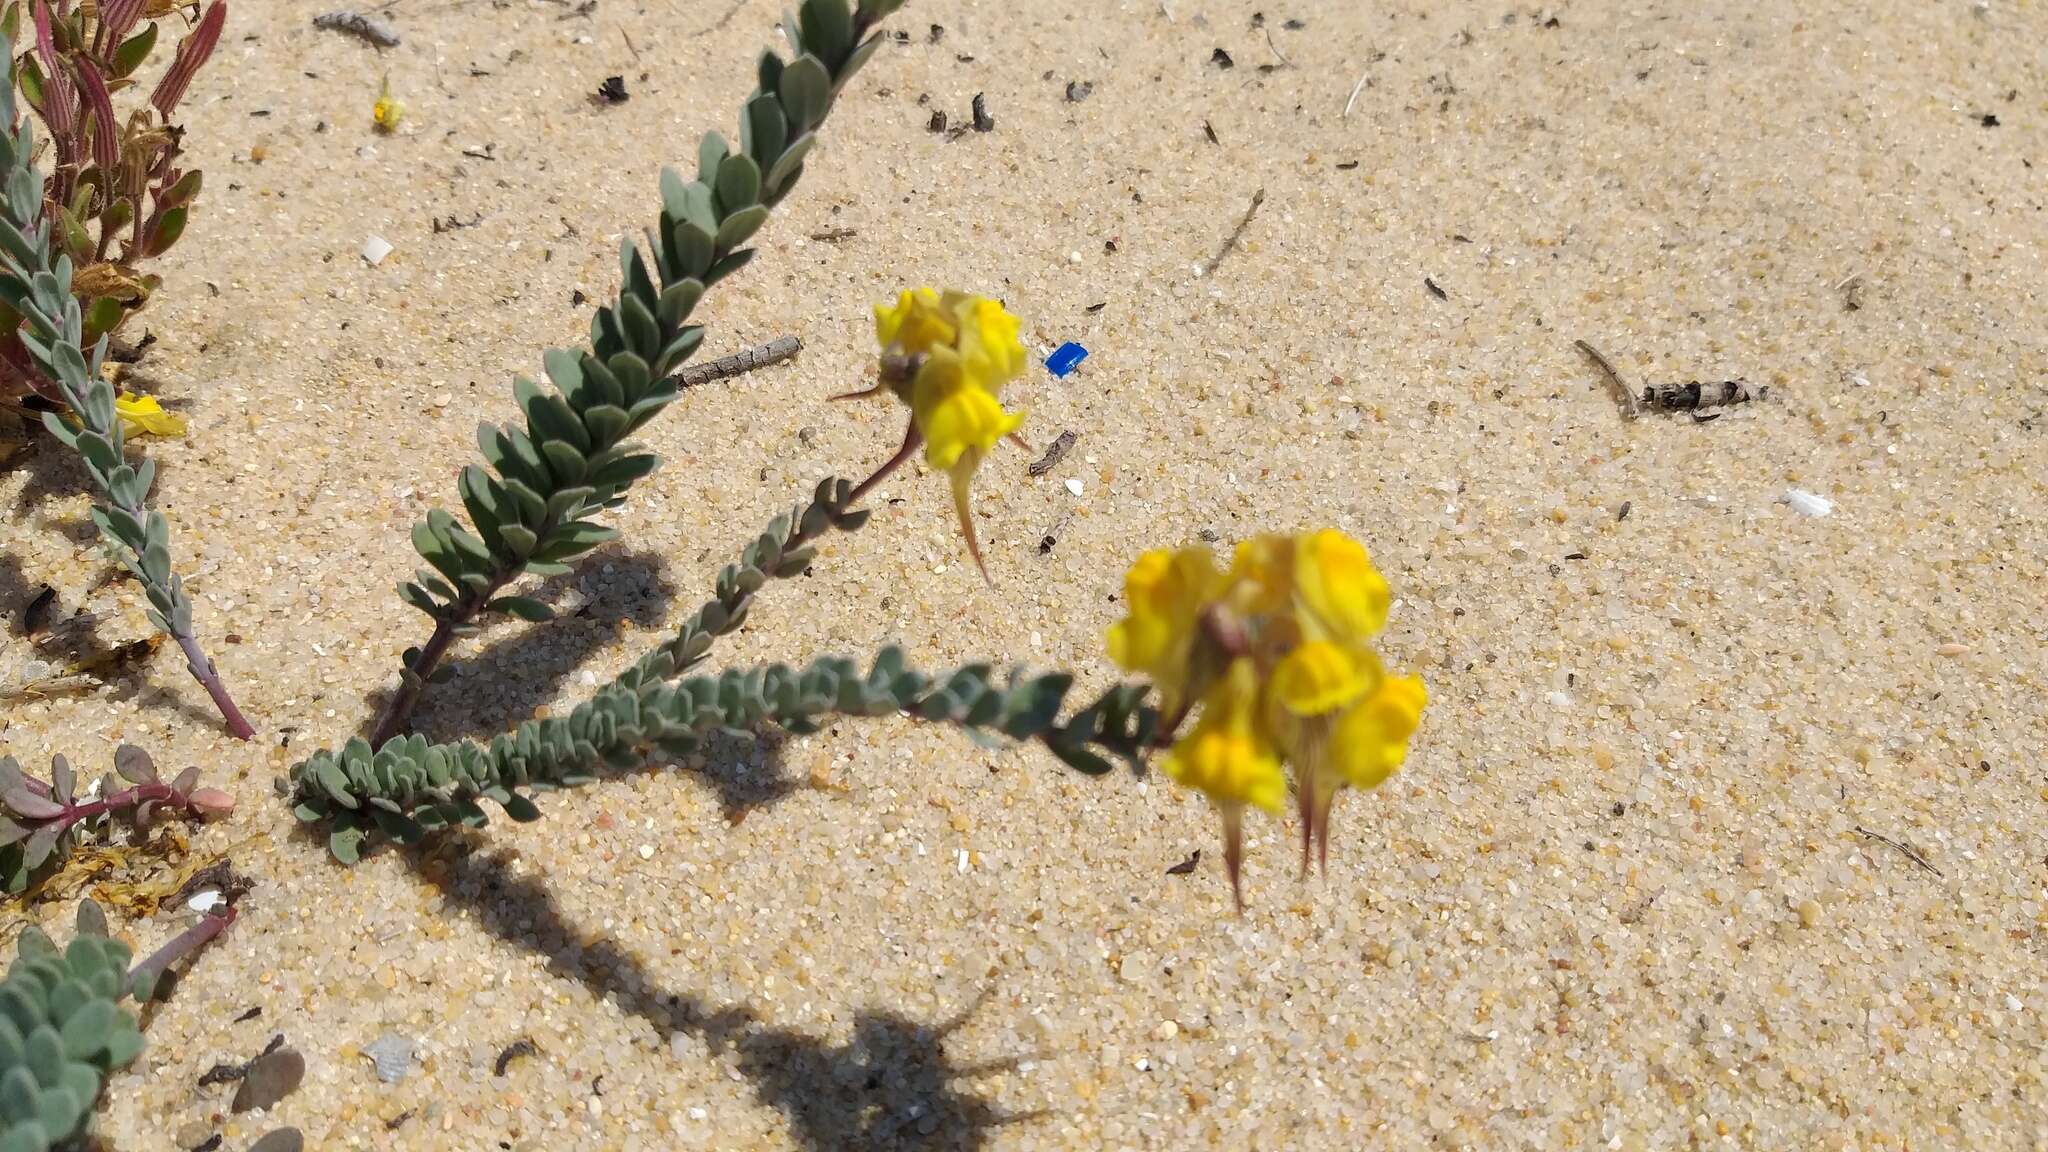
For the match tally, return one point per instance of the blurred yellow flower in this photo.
(387, 112)
(1164, 595)
(143, 416)
(1292, 623)
(947, 356)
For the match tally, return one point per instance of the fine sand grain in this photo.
(1635, 888)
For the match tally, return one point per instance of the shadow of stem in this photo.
(891, 1085)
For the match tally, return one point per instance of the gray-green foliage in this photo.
(534, 506)
(409, 787)
(40, 289)
(62, 1031)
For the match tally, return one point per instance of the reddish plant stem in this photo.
(202, 670)
(399, 708)
(185, 943)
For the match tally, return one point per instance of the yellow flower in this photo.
(1291, 621)
(989, 346)
(960, 420)
(1164, 596)
(946, 355)
(1371, 741)
(1231, 758)
(1340, 590)
(143, 416)
(387, 112)
(916, 324)
(1320, 677)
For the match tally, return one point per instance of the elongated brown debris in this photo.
(360, 26)
(1623, 395)
(1054, 453)
(773, 352)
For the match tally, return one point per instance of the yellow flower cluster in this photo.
(947, 357)
(1277, 652)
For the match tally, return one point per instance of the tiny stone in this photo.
(375, 249)
(1809, 913)
(392, 1055)
(647, 851)
(1074, 485)
(1167, 1030)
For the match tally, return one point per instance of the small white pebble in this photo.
(2014, 1003)
(1073, 257)
(699, 1114)
(1807, 503)
(206, 901)
(1167, 1030)
(375, 249)
(1952, 649)
(1559, 700)
(647, 851)
(1074, 485)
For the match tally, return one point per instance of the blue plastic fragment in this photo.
(1065, 358)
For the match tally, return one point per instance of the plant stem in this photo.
(398, 709)
(185, 943)
(202, 670)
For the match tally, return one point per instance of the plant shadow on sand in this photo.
(890, 1086)
(500, 685)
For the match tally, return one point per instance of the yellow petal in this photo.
(1319, 677)
(916, 324)
(1371, 740)
(1338, 585)
(1228, 756)
(959, 419)
(143, 416)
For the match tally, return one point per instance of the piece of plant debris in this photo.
(983, 122)
(520, 1048)
(1186, 866)
(1434, 289)
(612, 91)
(1078, 90)
(1222, 59)
(1054, 453)
(937, 123)
(270, 1078)
(1694, 395)
(366, 28)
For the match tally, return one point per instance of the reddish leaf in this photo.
(192, 53)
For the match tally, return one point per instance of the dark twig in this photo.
(1237, 233)
(1910, 854)
(1625, 397)
(739, 363)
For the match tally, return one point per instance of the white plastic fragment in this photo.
(1074, 485)
(375, 249)
(206, 901)
(1807, 503)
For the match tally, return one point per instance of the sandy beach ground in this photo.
(1725, 827)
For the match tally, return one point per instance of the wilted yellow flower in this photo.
(1292, 622)
(387, 112)
(143, 416)
(947, 356)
